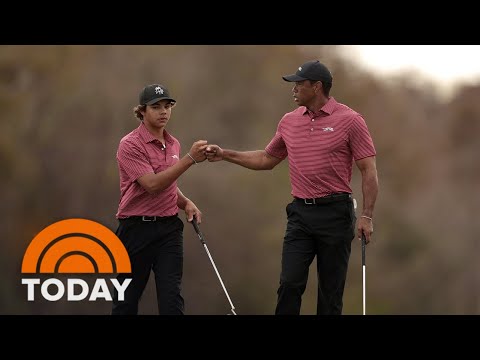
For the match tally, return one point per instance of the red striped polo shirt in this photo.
(321, 148)
(140, 153)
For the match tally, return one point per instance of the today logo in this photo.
(75, 246)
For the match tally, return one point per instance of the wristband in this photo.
(192, 159)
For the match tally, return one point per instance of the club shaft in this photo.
(364, 303)
(202, 240)
(219, 277)
(363, 273)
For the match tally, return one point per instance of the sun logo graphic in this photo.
(75, 246)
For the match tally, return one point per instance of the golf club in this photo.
(202, 240)
(363, 268)
(363, 262)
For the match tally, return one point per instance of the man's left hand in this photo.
(364, 226)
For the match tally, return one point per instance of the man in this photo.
(149, 164)
(321, 138)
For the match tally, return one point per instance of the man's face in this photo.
(158, 114)
(304, 92)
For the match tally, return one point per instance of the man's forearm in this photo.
(255, 160)
(370, 191)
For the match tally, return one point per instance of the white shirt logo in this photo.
(300, 68)
(175, 156)
(158, 90)
(327, 129)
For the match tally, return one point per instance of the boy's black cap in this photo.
(311, 70)
(153, 93)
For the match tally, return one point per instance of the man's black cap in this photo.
(153, 93)
(311, 70)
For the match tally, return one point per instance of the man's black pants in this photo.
(324, 229)
(152, 245)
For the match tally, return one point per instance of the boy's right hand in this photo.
(197, 151)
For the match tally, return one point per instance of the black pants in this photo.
(158, 246)
(325, 230)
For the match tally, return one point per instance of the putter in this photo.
(363, 268)
(202, 240)
(364, 242)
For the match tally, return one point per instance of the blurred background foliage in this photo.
(63, 110)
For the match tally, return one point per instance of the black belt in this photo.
(147, 218)
(325, 199)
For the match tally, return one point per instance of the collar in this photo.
(327, 108)
(148, 137)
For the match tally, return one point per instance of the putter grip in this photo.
(195, 225)
(364, 241)
(197, 230)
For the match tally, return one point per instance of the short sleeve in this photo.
(361, 142)
(133, 161)
(277, 147)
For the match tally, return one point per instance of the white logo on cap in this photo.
(300, 68)
(158, 90)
